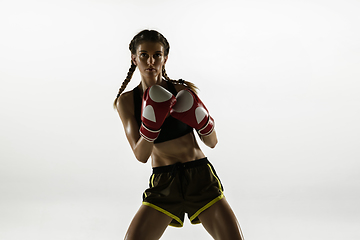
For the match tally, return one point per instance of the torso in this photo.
(171, 128)
(182, 149)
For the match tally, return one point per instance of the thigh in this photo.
(220, 221)
(147, 224)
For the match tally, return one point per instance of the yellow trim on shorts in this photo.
(215, 177)
(180, 224)
(152, 180)
(206, 207)
(210, 203)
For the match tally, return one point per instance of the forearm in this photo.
(143, 150)
(210, 140)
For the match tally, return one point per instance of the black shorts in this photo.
(181, 188)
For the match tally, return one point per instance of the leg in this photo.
(148, 224)
(220, 221)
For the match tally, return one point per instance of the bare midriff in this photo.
(182, 149)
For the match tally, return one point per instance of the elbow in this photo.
(142, 159)
(212, 144)
(141, 156)
(210, 140)
(142, 151)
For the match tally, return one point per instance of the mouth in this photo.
(150, 69)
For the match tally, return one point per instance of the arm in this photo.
(191, 110)
(142, 149)
(156, 104)
(210, 140)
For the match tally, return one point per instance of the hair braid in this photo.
(125, 82)
(180, 81)
(150, 36)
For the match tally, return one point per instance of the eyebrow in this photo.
(146, 51)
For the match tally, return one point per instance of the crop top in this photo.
(172, 128)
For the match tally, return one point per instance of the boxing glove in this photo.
(190, 110)
(156, 104)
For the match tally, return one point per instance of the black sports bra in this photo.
(171, 128)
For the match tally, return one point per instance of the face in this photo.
(150, 60)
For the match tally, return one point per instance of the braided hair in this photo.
(180, 81)
(152, 36)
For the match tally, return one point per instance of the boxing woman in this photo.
(160, 117)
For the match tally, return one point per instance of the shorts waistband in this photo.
(170, 168)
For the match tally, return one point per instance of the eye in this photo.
(158, 55)
(143, 55)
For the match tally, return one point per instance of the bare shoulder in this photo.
(125, 103)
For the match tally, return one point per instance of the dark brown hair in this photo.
(149, 36)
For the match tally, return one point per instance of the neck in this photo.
(145, 83)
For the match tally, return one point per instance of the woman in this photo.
(159, 118)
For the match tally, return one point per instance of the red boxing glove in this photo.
(156, 104)
(190, 110)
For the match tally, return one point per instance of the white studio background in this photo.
(280, 78)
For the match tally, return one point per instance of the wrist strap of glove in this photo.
(208, 128)
(148, 134)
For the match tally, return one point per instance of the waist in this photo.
(185, 165)
(183, 149)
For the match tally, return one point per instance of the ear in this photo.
(133, 59)
(166, 58)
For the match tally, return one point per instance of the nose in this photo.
(151, 60)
